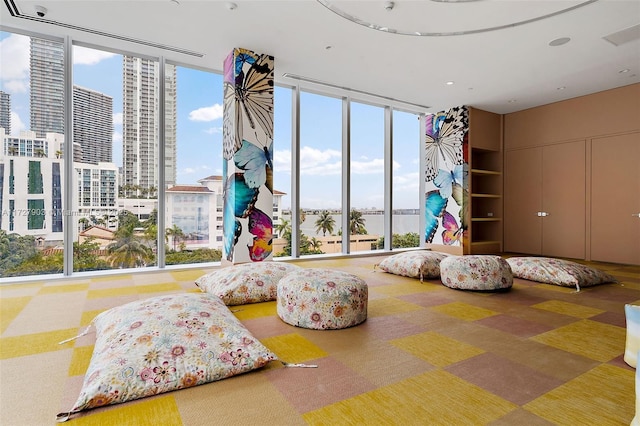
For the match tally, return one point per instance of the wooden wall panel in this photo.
(604, 113)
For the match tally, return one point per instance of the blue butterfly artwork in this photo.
(255, 161)
(446, 178)
(261, 226)
(435, 206)
(239, 202)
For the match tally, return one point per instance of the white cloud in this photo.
(213, 130)
(86, 56)
(207, 113)
(188, 173)
(407, 182)
(14, 56)
(117, 138)
(368, 167)
(17, 125)
(117, 118)
(316, 162)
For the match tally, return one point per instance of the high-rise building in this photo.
(93, 125)
(47, 87)
(140, 125)
(5, 112)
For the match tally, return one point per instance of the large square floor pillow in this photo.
(246, 283)
(415, 264)
(558, 271)
(163, 344)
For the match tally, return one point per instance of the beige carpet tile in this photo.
(514, 325)
(10, 308)
(520, 417)
(404, 288)
(47, 313)
(590, 339)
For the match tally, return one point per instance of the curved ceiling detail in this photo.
(437, 18)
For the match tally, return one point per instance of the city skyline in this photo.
(199, 131)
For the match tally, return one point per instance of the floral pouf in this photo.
(322, 299)
(476, 272)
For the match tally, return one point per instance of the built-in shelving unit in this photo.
(485, 183)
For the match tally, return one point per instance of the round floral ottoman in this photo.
(322, 299)
(476, 272)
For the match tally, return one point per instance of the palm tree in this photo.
(175, 233)
(356, 223)
(128, 251)
(315, 244)
(303, 216)
(58, 154)
(325, 223)
(13, 150)
(283, 228)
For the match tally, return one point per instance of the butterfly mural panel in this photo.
(248, 156)
(446, 176)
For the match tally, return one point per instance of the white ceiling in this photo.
(502, 70)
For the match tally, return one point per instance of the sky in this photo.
(199, 130)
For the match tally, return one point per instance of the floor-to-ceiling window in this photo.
(193, 167)
(320, 174)
(282, 98)
(366, 216)
(32, 138)
(406, 187)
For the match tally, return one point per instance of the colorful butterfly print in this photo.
(447, 178)
(254, 161)
(444, 139)
(261, 226)
(239, 201)
(250, 98)
(452, 232)
(435, 206)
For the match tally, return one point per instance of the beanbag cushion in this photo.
(246, 283)
(558, 271)
(632, 346)
(415, 264)
(478, 272)
(163, 344)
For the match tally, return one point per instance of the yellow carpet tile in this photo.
(30, 344)
(112, 292)
(293, 348)
(448, 401)
(254, 310)
(604, 393)
(157, 288)
(80, 360)
(88, 316)
(400, 289)
(189, 274)
(565, 308)
(436, 349)
(390, 306)
(464, 311)
(591, 339)
(161, 410)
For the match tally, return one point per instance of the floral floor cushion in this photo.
(558, 271)
(415, 264)
(476, 272)
(322, 299)
(163, 344)
(245, 283)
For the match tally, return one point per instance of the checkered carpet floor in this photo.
(427, 355)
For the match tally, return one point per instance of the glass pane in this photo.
(31, 168)
(366, 217)
(115, 159)
(320, 174)
(281, 169)
(194, 196)
(406, 177)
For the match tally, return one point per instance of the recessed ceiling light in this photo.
(231, 5)
(624, 71)
(559, 41)
(175, 2)
(388, 6)
(511, 101)
(561, 88)
(328, 47)
(450, 83)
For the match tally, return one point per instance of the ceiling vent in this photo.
(624, 36)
